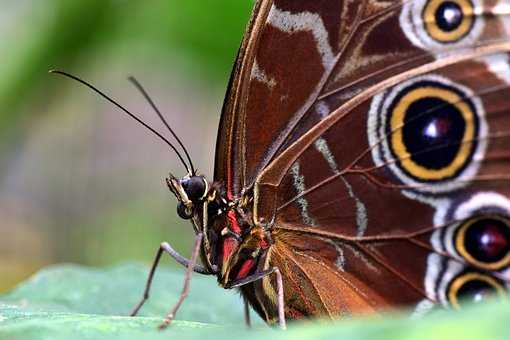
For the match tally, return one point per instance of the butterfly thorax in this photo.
(237, 246)
(233, 247)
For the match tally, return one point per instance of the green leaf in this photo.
(75, 302)
(72, 288)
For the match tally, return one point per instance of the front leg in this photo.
(165, 247)
(247, 319)
(187, 280)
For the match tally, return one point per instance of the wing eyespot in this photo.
(439, 25)
(428, 130)
(448, 21)
(474, 287)
(478, 248)
(484, 241)
(433, 131)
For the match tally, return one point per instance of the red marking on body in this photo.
(233, 222)
(229, 245)
(245, 269)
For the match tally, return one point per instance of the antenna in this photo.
(140, 88)
(93, 88)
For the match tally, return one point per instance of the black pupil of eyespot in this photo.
(487, 240)
(194, 187)
(449, 16)
(433, 131)
(475, 291)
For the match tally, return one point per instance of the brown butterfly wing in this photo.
(301, 59)
(269, 91)
(398, 239)
(313, 284)
(305, 107)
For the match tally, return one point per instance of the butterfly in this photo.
(362, 161)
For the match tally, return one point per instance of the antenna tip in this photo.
(134, 81)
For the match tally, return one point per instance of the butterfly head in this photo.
(190, 191)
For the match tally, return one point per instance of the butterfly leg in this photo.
(281, 302)
(165, 248)
(279, 290)
(187, 280)
(247, 319)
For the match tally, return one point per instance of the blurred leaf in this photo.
(115, 291)
(19, 323)
(73, 302)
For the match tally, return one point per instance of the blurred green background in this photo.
(79, 181)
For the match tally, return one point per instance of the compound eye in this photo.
(485, 242)
(473, 288)
(183, 212)
(195, 187)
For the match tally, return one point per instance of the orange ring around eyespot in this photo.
(397, 139)
(436, 33)
(461, 280)
(461, 249)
